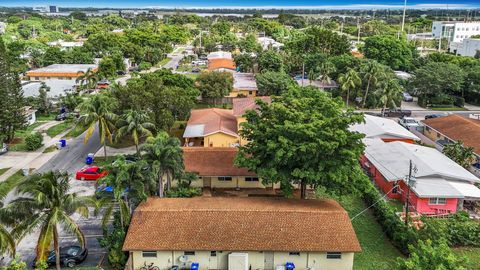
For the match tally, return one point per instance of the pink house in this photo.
(439, 186)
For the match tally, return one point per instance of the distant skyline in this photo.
(262, 4)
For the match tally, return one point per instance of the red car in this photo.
(90, 173)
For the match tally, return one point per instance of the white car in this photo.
(409, 123)
(3, 148)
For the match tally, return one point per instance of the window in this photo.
(437, 201)
(294, 253)
(37, 78)
(224, 178)
(189, 253)
(150, 254)
(250, 93)
(251, 179)
(439, 136)
(334, 255)
(213, 253)
(427, 128)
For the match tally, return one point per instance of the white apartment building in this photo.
(455, 31)
(468, 47)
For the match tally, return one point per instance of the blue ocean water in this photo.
(358, 4)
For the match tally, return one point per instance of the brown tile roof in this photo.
(217, 63)
(458, 128)
(213, 161)
(215, 120)
(241, 224)
(241, 105)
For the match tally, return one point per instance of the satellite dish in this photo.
(183, 259)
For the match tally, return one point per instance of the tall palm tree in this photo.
(389, 92)
(165, 155)
(349, 81)
(370, 72)
(88, 79)
(44, 204)
(326, 69)
(136, 124)
(98, 109)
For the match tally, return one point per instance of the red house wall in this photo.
(397, 140)
(381, 182)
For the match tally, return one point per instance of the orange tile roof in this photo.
(215, 120)
(458, 128)
(241, 105)
(241, 224)
(213, 161)
(217, 63)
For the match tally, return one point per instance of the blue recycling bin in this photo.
(194, 266)
(88, 160)
(289, 266)
(63, 143)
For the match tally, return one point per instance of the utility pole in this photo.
(404, 11)
(358, 35)
(407, 200)
(303, 72)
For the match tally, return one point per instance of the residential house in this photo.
(444, 130)
(30, 115)
(440, 186)
(385, 129)
(215, 168)
(303, 82)
(269, 43)
(221, 61)
(244, 84)
(241, 233)
(211, 128)
(60, 72)
(57, 88)
(65, 44)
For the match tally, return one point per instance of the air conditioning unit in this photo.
(238, 261)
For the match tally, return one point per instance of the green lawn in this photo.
(17, 175)
(3, 170)
(20, 135)
(45, 117)
(377, 251)
(49, 149)
(60, 128)
(447, 108)
(396, 204)
(76, 131)
(164, 61)
(472, 254)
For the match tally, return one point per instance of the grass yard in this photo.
(447, 108)
(396, 204)
(377, 251)
(472, 254)
(76, 131)
(49, 149)
(60, 128)
(45, 117)
(20, 135)
(17, 176)
(3, 170)
(164, 61)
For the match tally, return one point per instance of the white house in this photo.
(455, 31)
(30, 116)
(268, 43)
(385, 129)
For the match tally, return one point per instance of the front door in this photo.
(268, 260)
(207, 181)
(213, 264)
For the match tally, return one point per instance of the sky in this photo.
(324, 4)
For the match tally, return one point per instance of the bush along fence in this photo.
(455, 231)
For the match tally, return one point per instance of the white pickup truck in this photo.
(409, 123)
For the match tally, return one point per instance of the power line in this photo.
(381, 199)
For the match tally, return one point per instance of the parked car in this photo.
(66, 115)
(374, 114)
(195, 70)
(407, 97)
(3, 149)
(429, 116)
(121, 72)
(396, 113)
(90, 173)
(104, 191)
(61, 117)
(69, 256)
(409, 122)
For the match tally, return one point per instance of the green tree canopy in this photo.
(389, 50)
(274, 83)
(270, 61)
(215, 84)
(436, 78)
(461, 154)
(303, 138)
(429, 256)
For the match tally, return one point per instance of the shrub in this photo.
(459, 102)
(144, 65)
(34, 141)
(457, 231)
(183, 192)
(112, 241)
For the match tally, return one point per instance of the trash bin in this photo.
(58, 145)
(289, 266)
(26, 171)
(63, 142)
(194, 266)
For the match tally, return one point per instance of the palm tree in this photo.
(7, 243)
(460, 153)
(389, 92)
(88, 79)
(349, 81)
(370, 71)
(165, 155)
(98, 109)
(326, 68)
(136, 124)
(44, 204)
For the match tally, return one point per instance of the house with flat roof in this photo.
(303, 82)
(60, 72)
(244, 84)
(385, 129)
(241, 233)
(221, 61)
(452, 128)
(57, 88)
(269, 43)
(440, 185)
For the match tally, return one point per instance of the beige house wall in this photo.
(220, 140)
(317, 260)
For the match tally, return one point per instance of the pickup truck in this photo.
(396, 113)
(409, 123)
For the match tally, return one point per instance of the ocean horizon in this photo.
(248, 4)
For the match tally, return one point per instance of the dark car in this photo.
(374, 114)
(430, 116)
(121, 72)
(69, 256)
(61, 117)
(396, 113)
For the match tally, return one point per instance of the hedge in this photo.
(34, 141)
